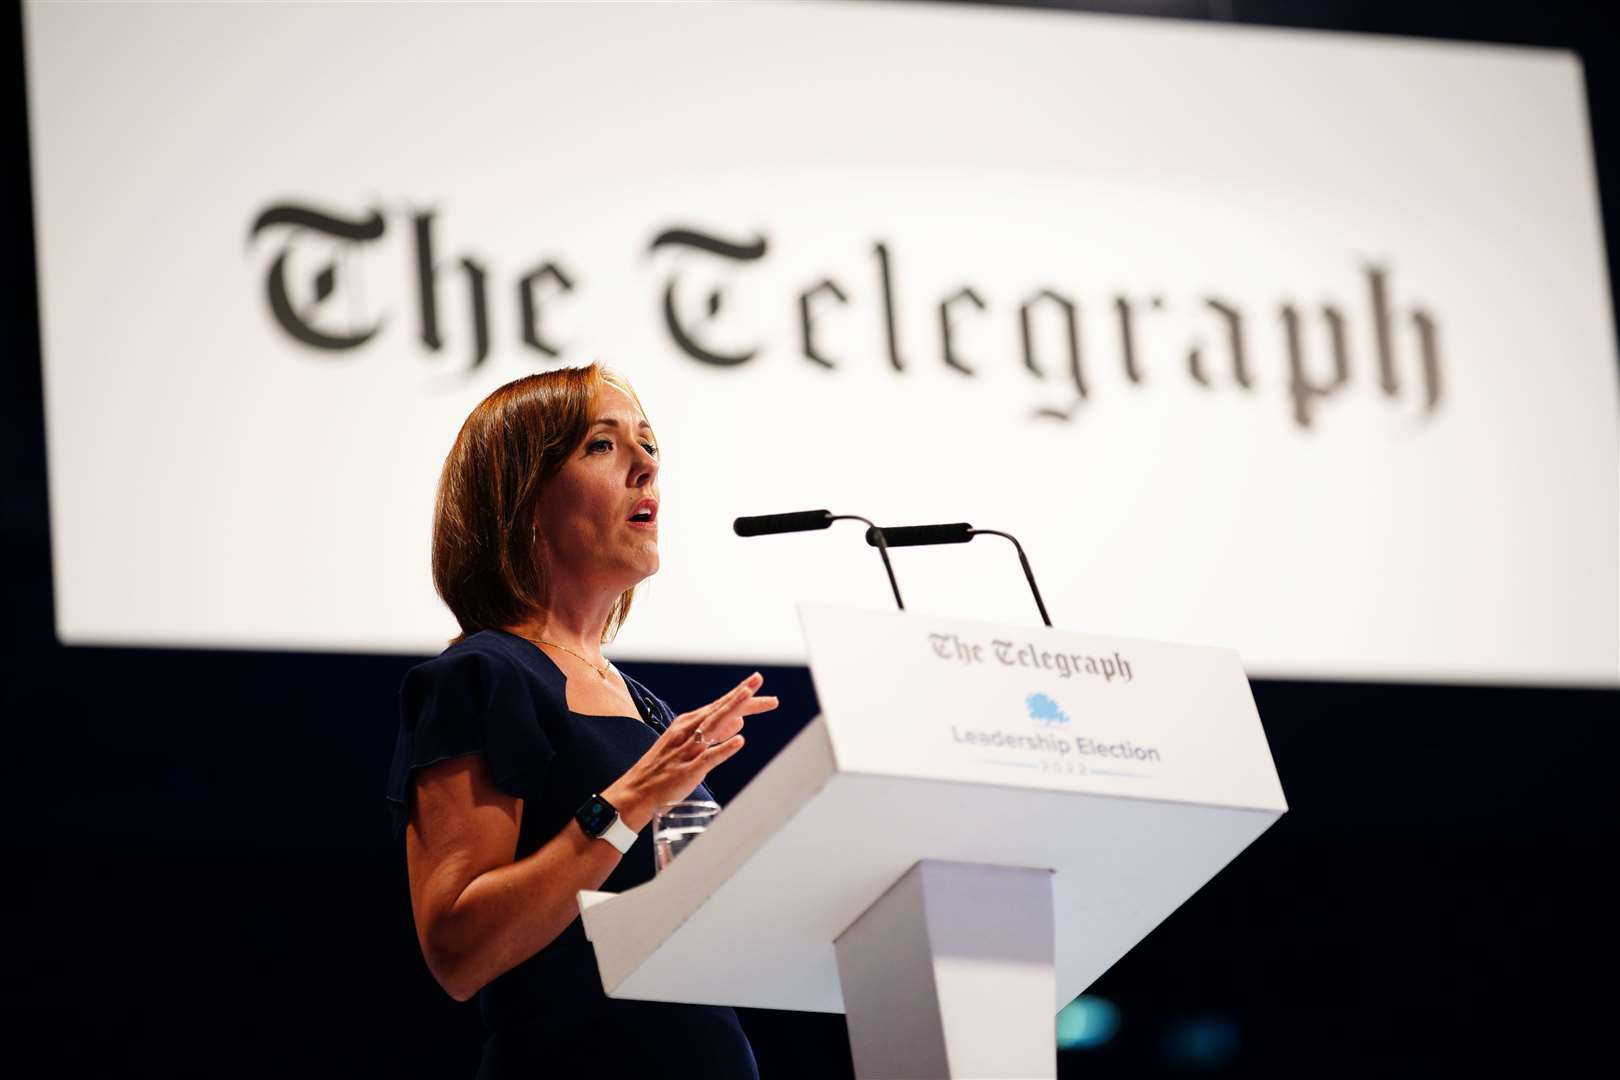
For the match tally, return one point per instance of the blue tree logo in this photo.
(1044, 710)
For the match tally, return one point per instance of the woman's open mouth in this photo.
(645, 514)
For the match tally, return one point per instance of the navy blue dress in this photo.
(495, 694)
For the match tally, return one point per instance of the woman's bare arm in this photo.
(479, 913)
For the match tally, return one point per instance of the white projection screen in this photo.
(1294, 342)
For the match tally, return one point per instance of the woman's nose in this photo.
(645, 468)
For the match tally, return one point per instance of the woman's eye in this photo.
(598, 445)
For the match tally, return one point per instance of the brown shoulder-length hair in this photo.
(486, 557)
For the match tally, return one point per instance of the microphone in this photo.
(769, 524)
(808, 520)
(958, 533)
(919, 535)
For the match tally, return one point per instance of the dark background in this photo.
(199, 875)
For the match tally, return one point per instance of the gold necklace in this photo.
(600, 671)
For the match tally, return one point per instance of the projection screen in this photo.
(1294, 342)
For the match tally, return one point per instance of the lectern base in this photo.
(950, 974)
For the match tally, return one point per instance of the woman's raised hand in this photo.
(695, 743)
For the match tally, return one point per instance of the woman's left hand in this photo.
(683, 755)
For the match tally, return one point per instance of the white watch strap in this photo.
(619, 835)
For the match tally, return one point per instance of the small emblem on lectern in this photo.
(1045, 711)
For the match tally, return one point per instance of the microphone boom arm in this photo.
(809, 520)
(876, 534)
(959, 532)
(1023, 561)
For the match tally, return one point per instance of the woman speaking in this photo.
(528, 766)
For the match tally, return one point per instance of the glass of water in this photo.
(676, 824)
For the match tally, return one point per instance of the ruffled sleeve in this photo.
(467, 702)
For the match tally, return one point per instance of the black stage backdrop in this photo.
(191, 889)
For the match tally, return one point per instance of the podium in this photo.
(983, 819)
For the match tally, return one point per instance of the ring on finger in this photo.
(699, 733)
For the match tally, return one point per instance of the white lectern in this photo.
(982, 820)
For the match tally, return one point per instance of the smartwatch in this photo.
(600, 820)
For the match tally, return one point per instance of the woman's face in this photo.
(598, 515)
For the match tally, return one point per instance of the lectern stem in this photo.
(950, 974)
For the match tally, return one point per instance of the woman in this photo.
(528, 766)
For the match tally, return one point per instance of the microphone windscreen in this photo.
(766, 524)
(918, 535)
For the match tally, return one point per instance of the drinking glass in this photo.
(676, 824)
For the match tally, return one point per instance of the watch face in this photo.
(595, 816)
